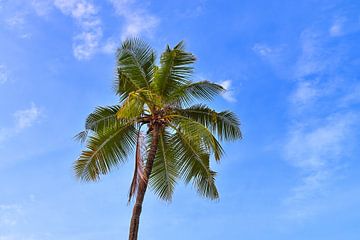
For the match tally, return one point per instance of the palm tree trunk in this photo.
(134, 224)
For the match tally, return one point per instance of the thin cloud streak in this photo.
(318, 140)
(322, 125)
(10, 214)
(85, 14)
(42, 7)
(138, 21)
(89, 41)
(22, 119)
(4, 75)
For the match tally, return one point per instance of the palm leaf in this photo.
(225, 124)
(199, 131)
(101, 118)
(132, 107)
(164, 173)
(175, 70)
(136, 63)
(203, 90)
(194, 164)
(105, 150)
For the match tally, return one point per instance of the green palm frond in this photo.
(175, 69)
(165, 172)
(101, 118)
(203, 90)
(194, 164)
(81, 136)
(199, 131)
(136, 64)
(105, 150)
(225, 124)
(206, 185)
(123, 85)
(132, 107)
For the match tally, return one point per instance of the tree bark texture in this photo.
(135, 219)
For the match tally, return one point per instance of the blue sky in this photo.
(292, 73)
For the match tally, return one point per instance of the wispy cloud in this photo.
(322, 122)
(138, 21)
(88, 39)
(229, 94)
(16, 21)
(42, 7)
(22, 119)
(10, 214)
(263, 49)
(315, 146)
(304, 94)
(14, 18)
(195, 9)
(26, 118)
(275, 55)
(109, 46)
(85, 13)
(336, 28)
(351, 97)
(319, 137)
(344, 24)
(3, 74)
(15, 215)
(315, 59)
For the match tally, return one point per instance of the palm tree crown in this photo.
(155, 119)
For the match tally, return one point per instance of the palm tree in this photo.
(179, 137)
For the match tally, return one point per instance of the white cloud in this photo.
(23, 119)
(312, 148)
(26, 118)
(138, 20)
(88, 40)
(76, 8)
(109, 47)
(304, 94)
(319, 139)
(15, 215)
(5, 133)
(10, 214)
(3, 74)
(229, 94)
(352, 96)
(319, 152)
(262, 49)
(275, 55)
(193, 10)
(86, 43)
(16, 18)
(16, 21)
(313, 59)
(336, 28)
(42, 7)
